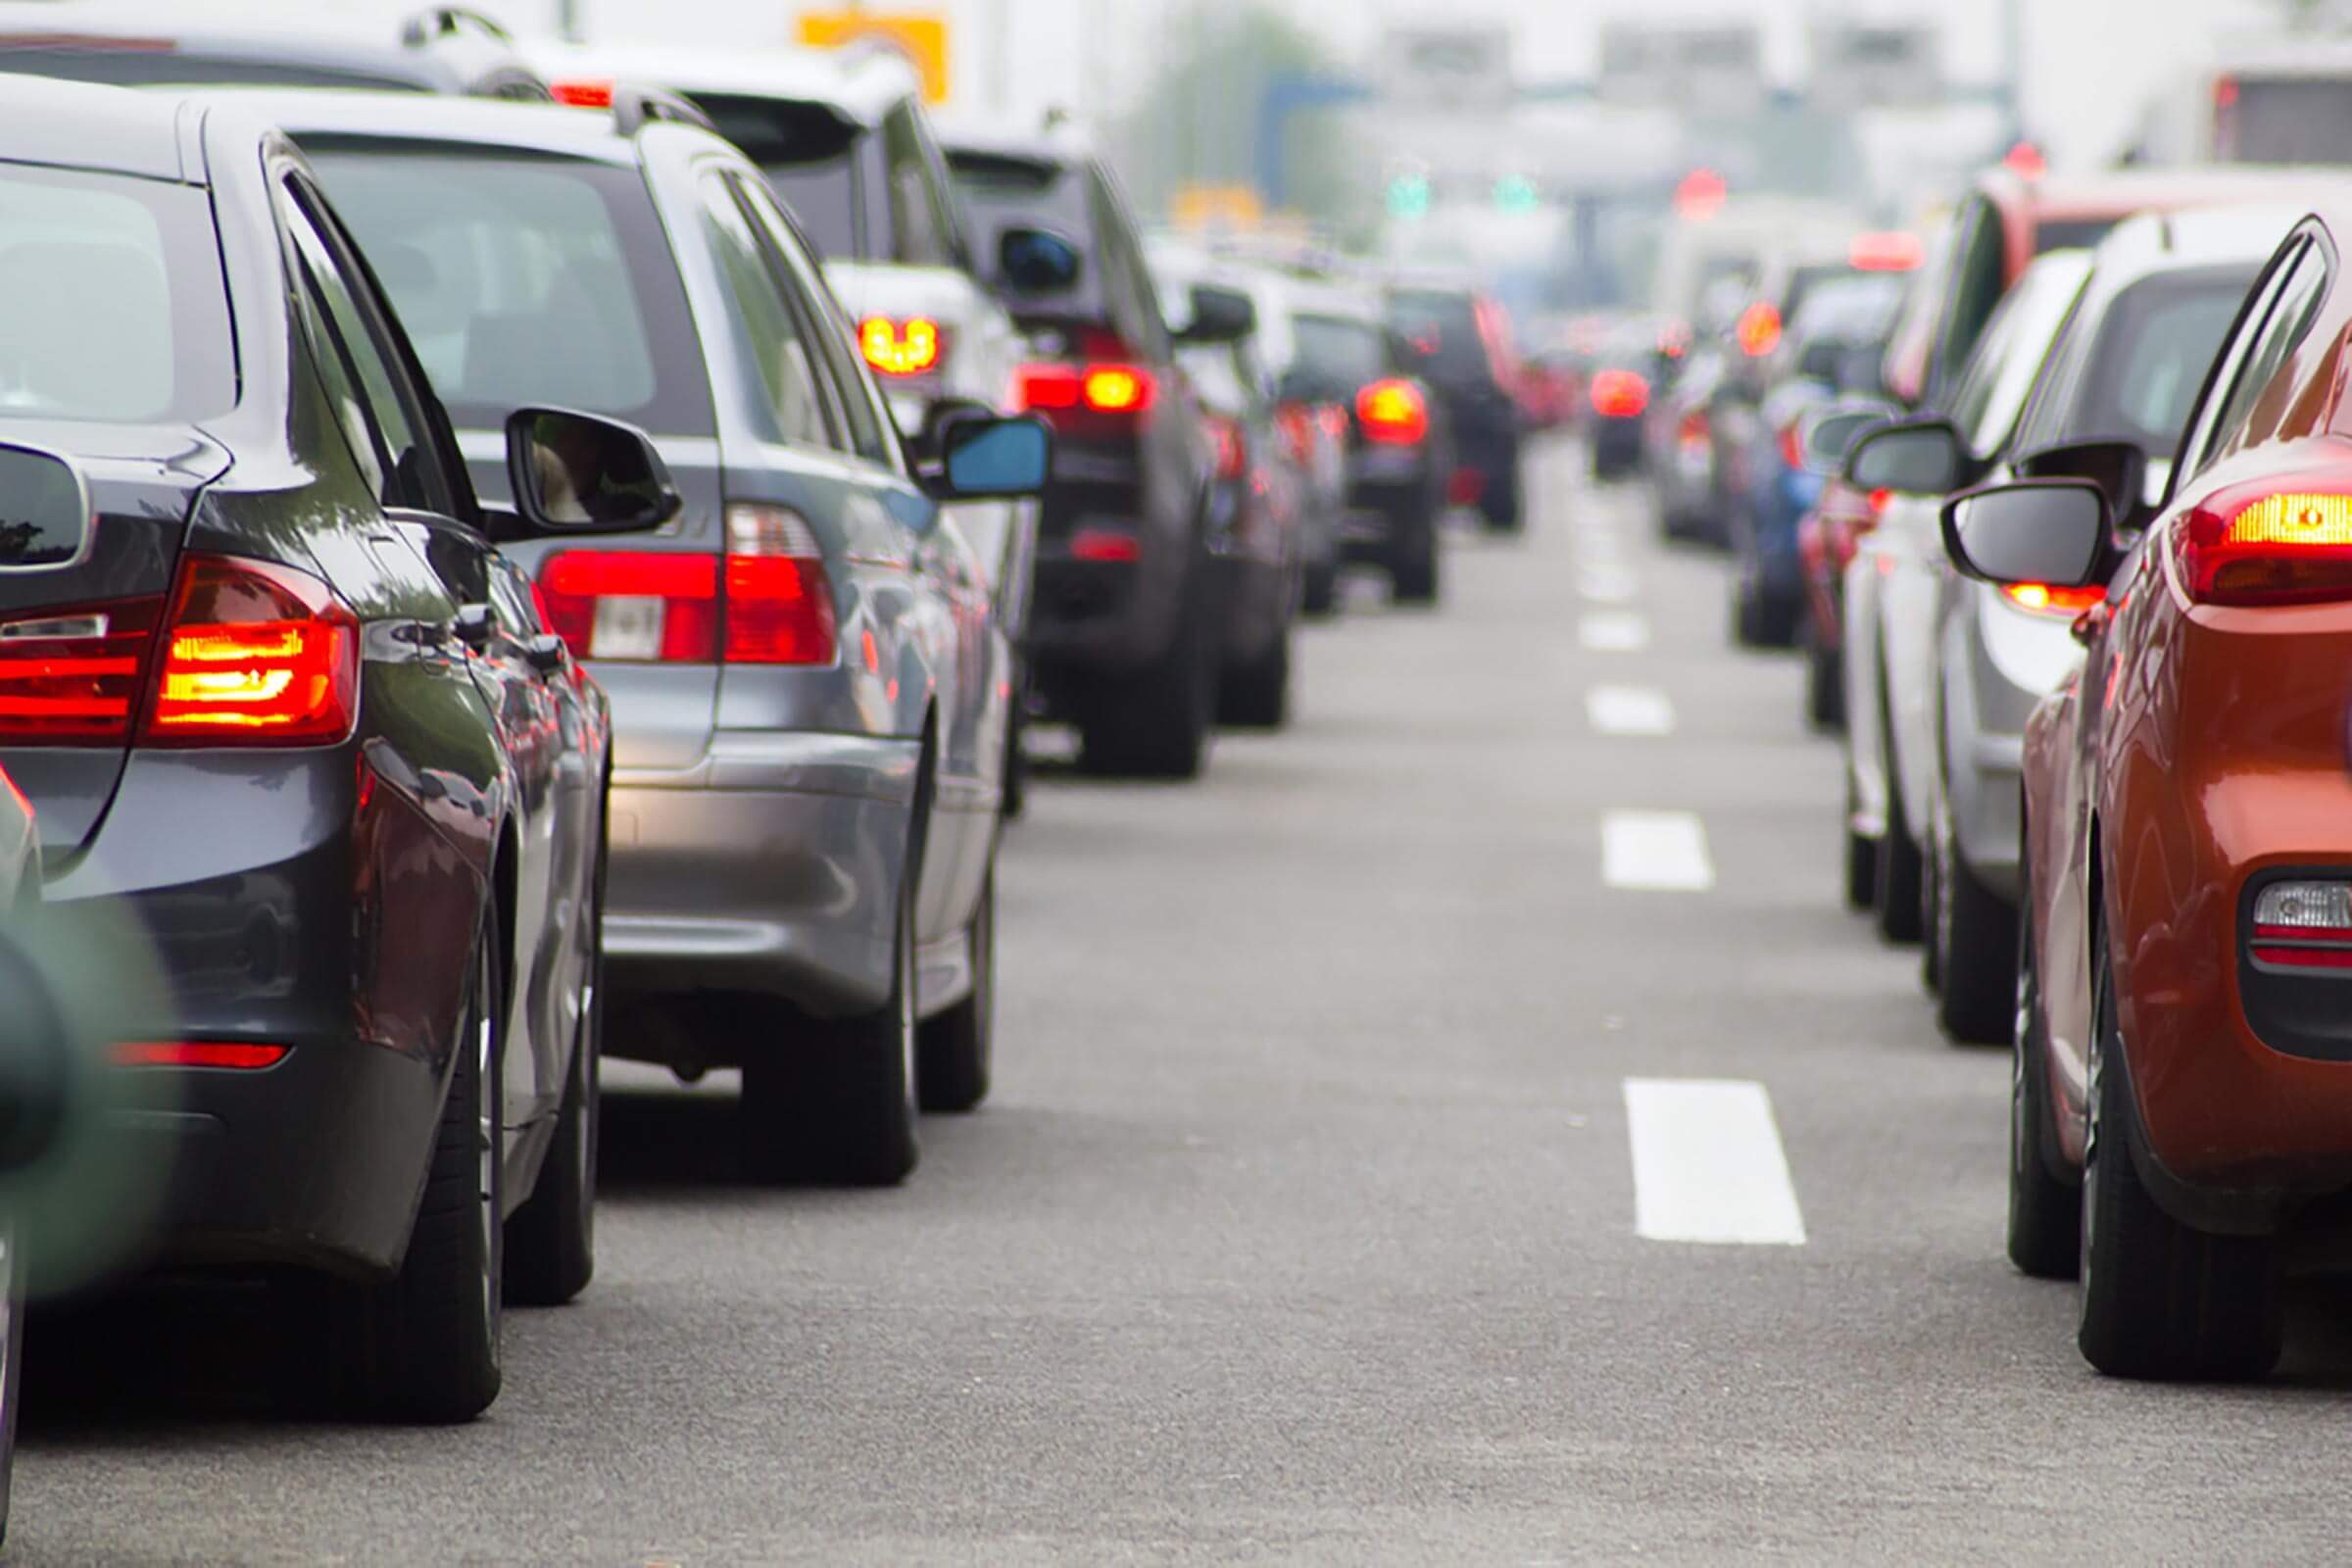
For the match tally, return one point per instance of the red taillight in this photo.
(1105, 545)
(1122, 391)
(1116, 389)
(1758, 329)
(1619, 394)
(1896, 250)
(1393, 413)
(639, 607)
(913, 345)
(2053, 598)
(1299, 426)
(2303, 925)
(779, 602)
(237, 1054)
(1233, 450)
(254, 653)
(2245, 547)
(582, 95)
(1692, 429)
(1793, 447)
(71, 674)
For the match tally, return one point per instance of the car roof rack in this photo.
(636, 106)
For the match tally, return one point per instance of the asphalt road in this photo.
(1306, 1223)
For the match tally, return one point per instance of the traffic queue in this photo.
(531, 555)
(2071, 582)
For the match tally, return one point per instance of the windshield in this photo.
(526, 280)
(1440, 328)
(111, 303)
(2306, 120)
(809, 155)
(1341, 353)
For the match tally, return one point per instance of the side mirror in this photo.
(2051, 531)
(924, 446)
(2120, 468)
(1037, 261)
(45, 523)
(582, 473)
(1921, 457)
(1219, 316)
(1829, 436)
(982, 457)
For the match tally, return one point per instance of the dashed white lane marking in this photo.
(1628, 711)
(1613, 631)
(1655, 851)
(1608, 584)
(1708, 1165)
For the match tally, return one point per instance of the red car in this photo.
(2182, 1106)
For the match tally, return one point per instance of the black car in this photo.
(1128, 624)
(1457, 341)
(282, 704)
(442, 49)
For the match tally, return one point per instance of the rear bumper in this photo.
(771, 867)
(1616, 442)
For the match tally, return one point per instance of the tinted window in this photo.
(2293, 121)
(2152, 355)
(112, 305)
(809, 156)
(1001, 192)
(2009, 356)
(526, 280)
(1339, 353)
(1980, 276)
(1441, 331)
(2070, 233)
(767, 329)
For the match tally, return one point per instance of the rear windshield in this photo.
(525, 279)
(111, 303)
(1000, 191)
(131, 67)
(1339, 353)
(1440, 329)
(2070, 233)
(2290, 122)
(809, 156)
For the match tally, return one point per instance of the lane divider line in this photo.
(1628, 711)
(1708, 1166)
(1655, 851)
(1613, 631)
(1608, 584)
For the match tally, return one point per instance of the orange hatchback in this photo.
(2182, 1108)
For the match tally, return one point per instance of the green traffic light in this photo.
(1516, 193)
(1408, 196)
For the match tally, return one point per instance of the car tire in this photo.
(424, 1345)
(551, 1241)
(2046, 1209)
(1015, 797)
(1413, 560)
(1155, 725)
(1975, 940)
(1500, 503)
(2159, 1300)
(11, 1361)
(834, 1102)
(1825, 680)
(1257, 695)
(954, 1052)
(1897, 883)
(1319, 593)
(1861, 861)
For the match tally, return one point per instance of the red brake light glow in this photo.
(582, 95)
(1105, 545)
(2244, 547)
(69, 674)
(2052, 598)
(766, 601)
(1619, 394)
(238, 1054)
(1393, 413)
(1894, 251)
(1758, 329)
(779, 601)
(1793, 447)
(254, 653)
(1116, 389)
(910, 347)
(1233, 453)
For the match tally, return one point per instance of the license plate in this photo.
(627, 626)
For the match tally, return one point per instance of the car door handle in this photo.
(547, 653)
(472, 626)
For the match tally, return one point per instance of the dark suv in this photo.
(442, 49)
(1127, 626)
(1458, 340)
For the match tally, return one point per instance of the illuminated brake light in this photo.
(1793, 447)
(2246, 548)
(1758, 329)
(1233, 452)
(255, 652)
(912, 347)
(2052, 598)
(1393, 413)
(1619, 394)
(2303, 925)
(1116, 389)
(582, 95)
(1105, 545)
(69, 675)
(1693, 430)
(243, 1055)
(779, 601)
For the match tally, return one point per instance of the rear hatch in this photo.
(527, 280)
(76, 642)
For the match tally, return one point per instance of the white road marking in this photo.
(1708, 1165)
(1608, 584)
(1655, 851)
(1613, 631)
(1628, 711)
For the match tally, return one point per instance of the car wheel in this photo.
(423, 1345)
(1500, 503)
(11, 1361)
(1413, 559)
(954, 1051)
(2046, 1210)
(1016, 798)
(1319, 595)
(2160, 1300)
(1257, 695)
(1976, 940)
(1930, 879)
(834, 1101)
(1155, 725)
(1825, 680)
(551, 1241)
(1899, 871)
(1861, 860)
